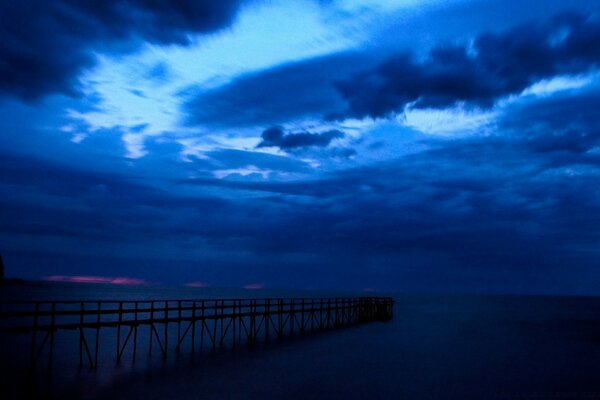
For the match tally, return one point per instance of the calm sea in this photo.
(437, 347)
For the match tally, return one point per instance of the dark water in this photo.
(436, 347)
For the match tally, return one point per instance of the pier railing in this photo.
(173, 323)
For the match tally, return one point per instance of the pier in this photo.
(169, 326)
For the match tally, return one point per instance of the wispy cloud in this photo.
(197, 284)
(254, 286)
(95, 279)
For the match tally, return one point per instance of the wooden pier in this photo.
(172, 324)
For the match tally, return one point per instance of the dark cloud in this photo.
(472, 198)
(495, 65)
(45, 44)
(367, 84)
(275, 137)
(291, 91)
(45, 198)
(563, 128)
(521, 201)
(472, 207)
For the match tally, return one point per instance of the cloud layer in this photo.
(301, 174)
(366, 84)
(44, 45)
(478, 74)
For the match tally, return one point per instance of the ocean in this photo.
(438, 346)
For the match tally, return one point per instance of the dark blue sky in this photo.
(341, 144)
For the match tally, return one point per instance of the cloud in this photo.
(365, 83)
(343, 152)
(291, 91)
(275, 137)
(520, 201)
(96, 279)
(254, 286)
(476, 206)
(44, 45)
(160, 72)
(197, 284)
(46, 199)
(236, 159)
(493, 66)
(563, 128)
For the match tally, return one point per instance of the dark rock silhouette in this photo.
(4, 280)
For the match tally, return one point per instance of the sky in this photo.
(408, 145)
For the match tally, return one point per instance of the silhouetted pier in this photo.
(171, 324)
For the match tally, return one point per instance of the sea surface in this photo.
(438, 346)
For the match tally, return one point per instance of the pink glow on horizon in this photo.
(197, 284)
(254, 286)
(120, 280)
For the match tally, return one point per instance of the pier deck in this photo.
(216, 322)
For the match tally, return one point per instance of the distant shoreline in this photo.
(11, 281)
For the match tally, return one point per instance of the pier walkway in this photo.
(169, 324)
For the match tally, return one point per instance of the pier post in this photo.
(98, 317)
(193, 322)
(119, 332)
(135, 329)
(166, 315)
